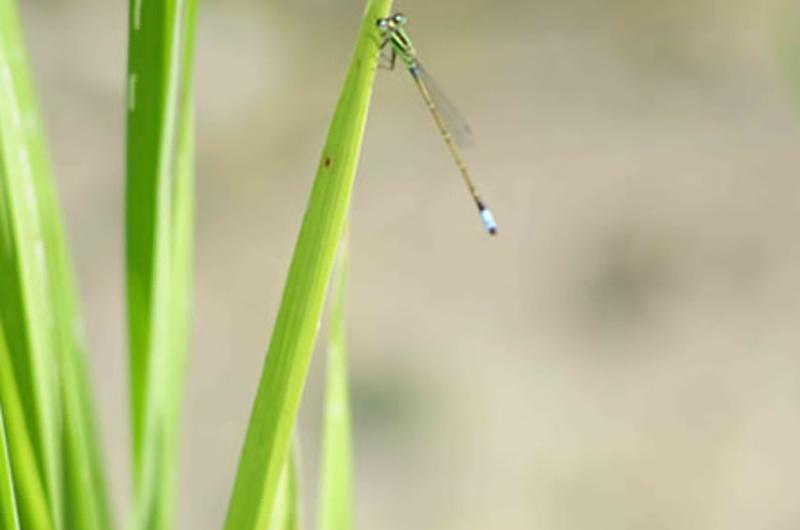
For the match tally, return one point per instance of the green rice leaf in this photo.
(39, 308)
(8, 502)
(293, 337)
(286, 515)
(159, 220)
(9, 517)
(336, 503)
(24, 275)
(32, 502)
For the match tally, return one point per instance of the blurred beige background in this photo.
(623, 355)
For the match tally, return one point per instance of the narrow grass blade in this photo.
(39, 303)
(86, 503)
(159, 198)
(32, 502)
(85, 488)
(286, 515)
(336, 503)
(9, 516)
(275, 409)
(24, 276)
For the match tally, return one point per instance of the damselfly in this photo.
(452, 127)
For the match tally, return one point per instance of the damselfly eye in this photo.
(399, 18)
(383, 23)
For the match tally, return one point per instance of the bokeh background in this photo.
(623, 356)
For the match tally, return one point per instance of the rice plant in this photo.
(51, 465)
(159, 184)
(55, 464)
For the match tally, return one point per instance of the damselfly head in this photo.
(392, 22)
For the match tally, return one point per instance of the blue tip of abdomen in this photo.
(488, 221)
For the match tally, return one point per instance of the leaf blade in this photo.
(159, 221)
(32, 501)
(9, 515)
(24, 266)
(294, 334)
(336, 503)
